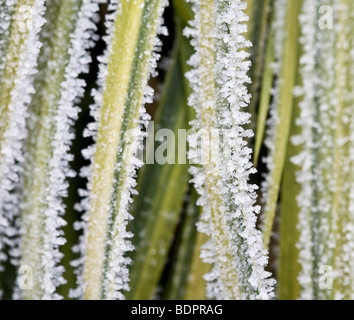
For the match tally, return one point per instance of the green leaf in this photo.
(284, 114)
(219, 96)
(288, 287)
(259, 31)
(161, 188)
(19, 48)
(49, 137)
(196, 284)
(114, 162)
(265, 98)
(182, 256)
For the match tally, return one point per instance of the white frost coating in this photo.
(95, 108)
(72, 89)
(117, 272)
(89, 152)
(116, 269)
(305, 159)
(343, 217)
(325, 81)
(7, 8)
(228, 200)
(325, 218)
(6, 11)
(19, 64)
(42, 220)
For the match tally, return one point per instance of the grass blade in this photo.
(227, 198)
(161, 188)
(181, 261)
(265, 98)
(19, 51)
(288, 287)
(284, 113)
(53, 113)
(136, 26)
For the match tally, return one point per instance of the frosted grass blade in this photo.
(131, 60)
(162, 188)
(283, 115)
(229, 212)
(21, 22)
(50, 133)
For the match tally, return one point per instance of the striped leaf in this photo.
(53, 113)
(283, 105)
(21, 22)
(130, 62)
(221, 178)
(161, 187)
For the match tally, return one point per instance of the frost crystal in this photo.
(50, 134)
(117, 272)
(7, 8)
(19, 48)
(89, 152)
(306, 159)
(219, 93)
(115, 278)
(82, 40)
(325, 160)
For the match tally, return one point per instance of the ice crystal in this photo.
(325, 160)
(306, 158)
(51, 130)
(116, 273)
(218, 79)
(19, 49)
(72, 88)
(7, 8)
(89, 152)
(117, 269)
